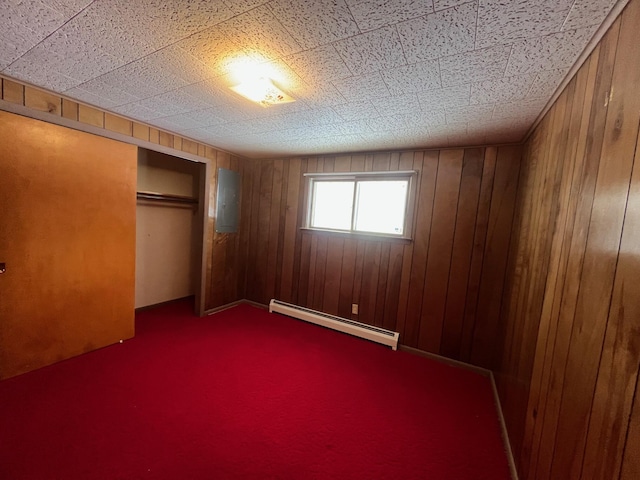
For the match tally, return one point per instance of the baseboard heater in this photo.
(362, 330)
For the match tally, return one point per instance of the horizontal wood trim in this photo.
(227, 306)
(36, 100)
(446, 360)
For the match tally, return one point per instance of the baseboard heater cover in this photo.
(362, 330)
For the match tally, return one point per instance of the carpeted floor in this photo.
(248, 394)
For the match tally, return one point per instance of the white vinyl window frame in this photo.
(410, 176)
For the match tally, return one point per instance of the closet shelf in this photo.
(166, 197)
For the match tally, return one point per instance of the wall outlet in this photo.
(354, 308)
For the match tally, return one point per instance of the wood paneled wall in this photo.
(442, 291)
(570, 323)
(225, 260)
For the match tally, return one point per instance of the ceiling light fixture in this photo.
(262, 91)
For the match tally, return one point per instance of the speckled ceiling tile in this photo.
(90, 98)
(356, 110)
(137, 112)
(42, 76)
(319, 64)
(357, 127)
(10, 51)
(388, 122)
(444, 4)
(168, 21)
(445, 97)
(396, 104)
(64, 54)
(522, 109)
(209, 91)
(547, 82)
(501, 90)
(102, 89)
(233, 112)
(68, 8)
(171, 103)
(259, 30)
(316, 116)
(96, 27)
(372, 51)
(165, 65)
(585, 13)
(318, 95)
(415, 136)
(331, 20)
(186, 101)
(474, 66)
(442, 33)
(450, 128)
(503, 21)
(33, 17)
(372, 14)
(24, 25)
(432, 117)
(362, 87)
(241, 6)
(412, 78)
(474, 113)
(126, 80)
(548, 52)
(215, 49)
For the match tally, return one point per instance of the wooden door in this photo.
(67, 236)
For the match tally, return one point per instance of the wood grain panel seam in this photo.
(629, 420)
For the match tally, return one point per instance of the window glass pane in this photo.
(380, 206)
(332, 205)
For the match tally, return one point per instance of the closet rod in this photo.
(166, 197)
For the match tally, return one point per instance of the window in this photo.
(373, 203)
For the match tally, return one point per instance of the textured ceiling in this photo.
(367, 74)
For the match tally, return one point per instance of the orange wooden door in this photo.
(67, 236)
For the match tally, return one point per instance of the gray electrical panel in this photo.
(227, 201)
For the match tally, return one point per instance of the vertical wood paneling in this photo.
(400, 285)
(407, 161)
(569, 333)
(631, 460)
(290, 230)
(226, 252)
(477, 255)
(445, 208)
(495, 257)
(461, 252)
(421, 235)
(347, 275)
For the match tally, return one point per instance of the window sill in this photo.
(358, 235)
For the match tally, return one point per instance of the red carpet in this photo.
(247, 394)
